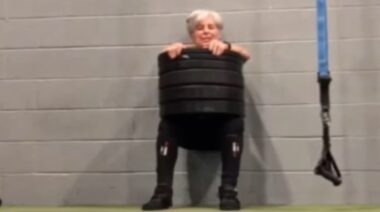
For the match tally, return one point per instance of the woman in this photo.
(204, 27)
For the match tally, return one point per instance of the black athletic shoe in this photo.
(228, 198)
(161, 199)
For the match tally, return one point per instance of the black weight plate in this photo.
(205, 54)
(199, 64)
(193, 51)
(201, 92)
(227, 54)
(201, 77)
(202, 107)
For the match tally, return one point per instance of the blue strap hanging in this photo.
(326, 166)
(323, 45)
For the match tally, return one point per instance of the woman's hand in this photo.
(175, 49)
(217, 47)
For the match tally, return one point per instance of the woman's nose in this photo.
(206, 31)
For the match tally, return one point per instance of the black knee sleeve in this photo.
(232, 147)
(166, 152)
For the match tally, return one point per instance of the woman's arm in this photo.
(175, 49)
(218, 47)
(240, 50)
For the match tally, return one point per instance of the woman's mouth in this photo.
(205, 40)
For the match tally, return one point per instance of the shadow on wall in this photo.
(202, 172)
(255, 171)
(116, 171)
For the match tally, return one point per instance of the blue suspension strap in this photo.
(326, 166)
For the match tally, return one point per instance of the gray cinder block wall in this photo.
(78, 101)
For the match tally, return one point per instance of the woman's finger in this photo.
(220, 49)
(214, 47)
(210, 46)
(179, 48)
(171, 54)
(223, 48)
(216, 51)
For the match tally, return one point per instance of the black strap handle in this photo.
(327, 167)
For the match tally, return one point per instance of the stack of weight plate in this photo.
(197, 82)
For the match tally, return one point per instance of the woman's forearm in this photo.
(235, 48)
(240, 50)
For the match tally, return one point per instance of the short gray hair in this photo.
(198, 15)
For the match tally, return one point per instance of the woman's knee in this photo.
(234, 126)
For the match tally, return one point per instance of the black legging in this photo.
(222, 132)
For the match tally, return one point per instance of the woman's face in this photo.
(205, 31)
